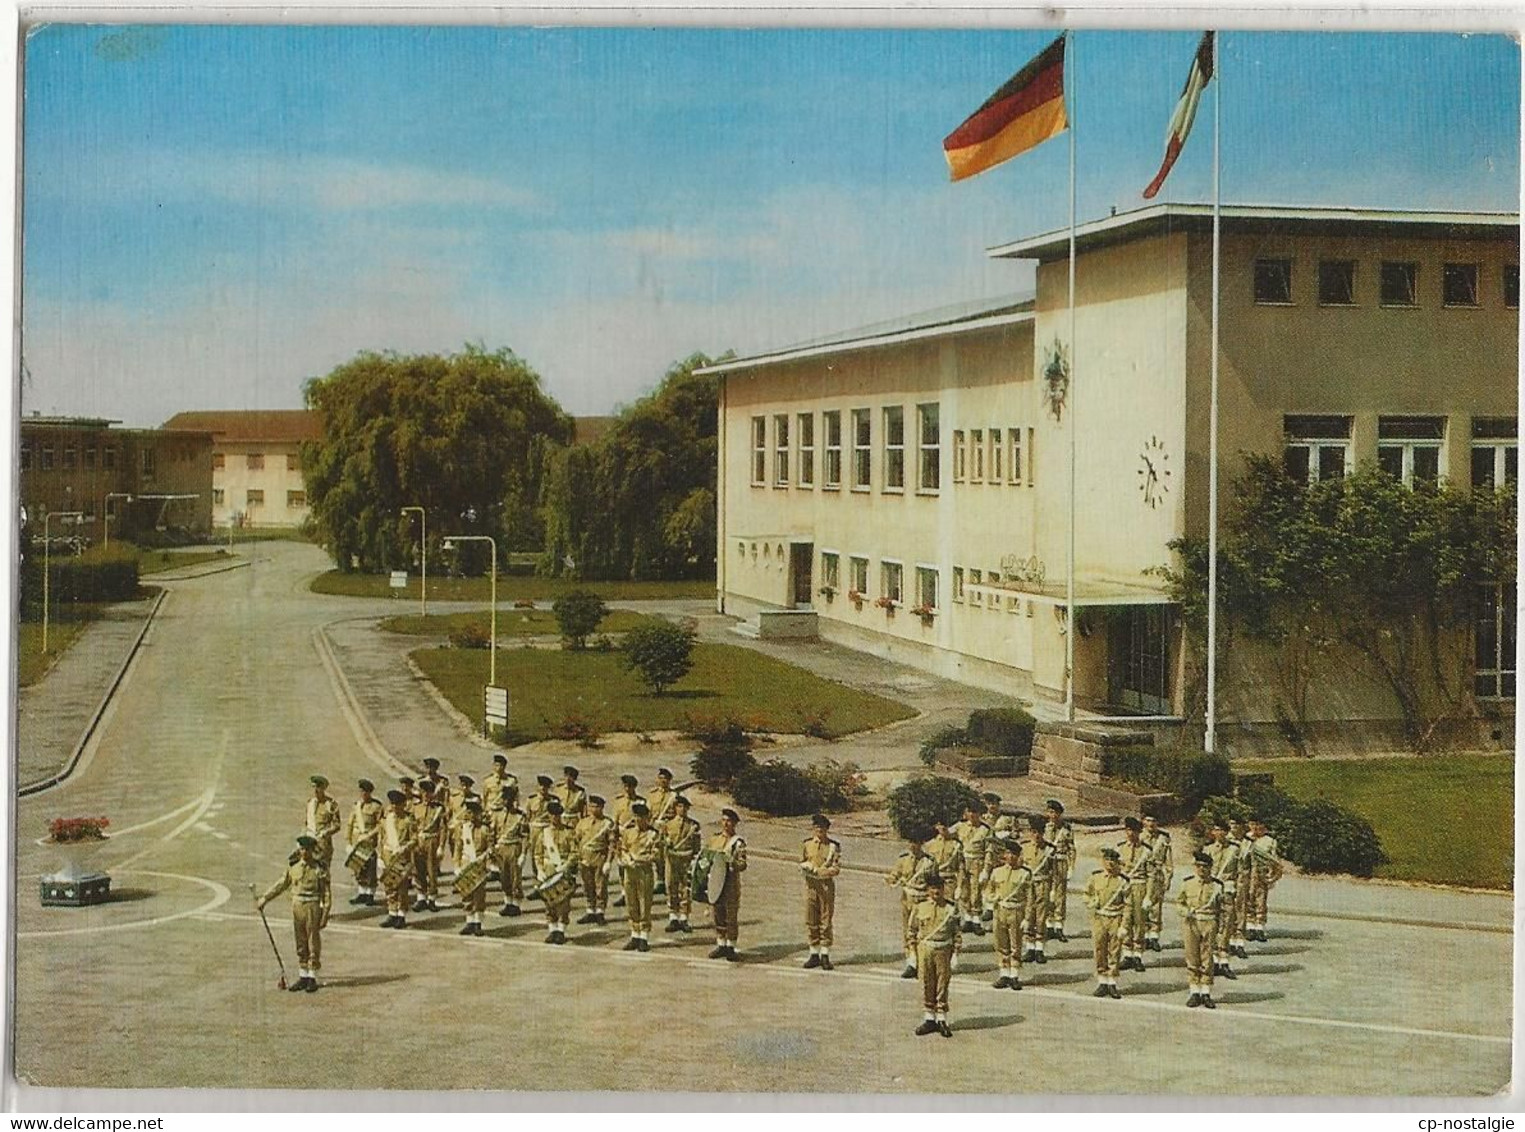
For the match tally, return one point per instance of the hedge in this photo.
(100, 574)
(1190, 775)
(1318, 836)
(778, 788)
(1007, 732)
(915, 806)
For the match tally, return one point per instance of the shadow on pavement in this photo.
(872, 959)
(1053, 980)
(768, 952)
(1155, 988)
(1269, 969)
(987, 1022)
(1233, 998)
(365, 980)
(129, 895)
(1279, 951)
(1300, 933)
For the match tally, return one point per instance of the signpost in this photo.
(399, 580)
(495, 706)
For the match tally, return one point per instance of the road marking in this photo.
(365, 738)
(175, 813)
(1230, 1015)
(202, 803)
(220, 896)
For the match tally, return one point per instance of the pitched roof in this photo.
(236, 425)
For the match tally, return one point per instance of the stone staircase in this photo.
(779, 625)
(1072, 757)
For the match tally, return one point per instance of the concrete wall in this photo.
(235, 479)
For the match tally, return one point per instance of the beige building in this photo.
(907, 486)
(256, 463)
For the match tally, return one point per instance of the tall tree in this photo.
(463, 436)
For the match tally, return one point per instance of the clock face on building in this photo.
(1154, 473)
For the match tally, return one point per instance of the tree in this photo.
(662, 653)
(464, 436)
(640, 503)
(578, 613)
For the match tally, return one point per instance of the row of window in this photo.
(1397, 284)
(891, 579)
(46, 457)
(255, 497)
(993, 456)
(1408, 448)
(255, 461)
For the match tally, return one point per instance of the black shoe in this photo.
(813, 962)
(399, 923)
(826, 963)
(619, 901)
(1207, 1001)
(1002, 983)
(467, 930)
(986, 916)
(598, 918)
(1151, 945)
(718, 952)
(1050, 933)
(1016, 984)
(659, 890)
(300, 984)
(1194, 1001)
(558, 937)
(942, 1027)
(908, 973)
(386, 923)
(1227, 972)
(433, 907)
(1060, 936)
(587, 918)
(731, 956)
(420, 905)
(1242, 952)
(672, 925)
(311, 987)
(976, 929)
(510, 910)
(1039, 957)
(358, 898)
(927, 1027)
(504, 911)
(684, 926)
(1100, 991)
(631, 944)
(1113, 992)
(642, 945)
(550, 937)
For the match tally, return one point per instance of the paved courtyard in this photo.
(238, 694)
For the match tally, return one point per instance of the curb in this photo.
(100, 709)
(365, 735)
(203, 574)
(467, 729)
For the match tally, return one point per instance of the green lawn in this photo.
(511, 622)
(546, 687)
(511, 587)
(1444, 819)
(154, 561)
(32, 663)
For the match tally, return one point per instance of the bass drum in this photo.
(711, 868)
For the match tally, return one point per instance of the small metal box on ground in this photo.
(75, 892)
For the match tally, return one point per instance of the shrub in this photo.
(778, 788)
(942, 740)
(99, 574)
(578, 613)
(916, 805)
(579, 726)
(662, 653)
(839, 783)
(470, 636)
(719, 765)
(1007, 732)
(813, 722)
(710, 729)
(1328, 838)
(1190, 775)
(1218, 808)
(77, 829)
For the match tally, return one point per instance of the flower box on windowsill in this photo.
(889, 605)
(828, 592)
(926, 613)
(856, 598)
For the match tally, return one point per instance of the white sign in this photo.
(399, 579)
(496, 706)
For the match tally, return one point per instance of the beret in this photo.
(571, 770)
(732, 814)
(500, 760)
(1111, 855)
(595, 800)
(821, 821)
(432, 763)
(396, 796)
(1132, 823)
(1202, 858)
(553, 807)
(318, 780)
(680, 800)
(307, 842)
(467, 779)
(367, 785)
(627, 780)
(543, 779)
(1054, 804)
(640, 810)
(663, 772)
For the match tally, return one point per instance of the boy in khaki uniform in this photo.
(595, 847)
(322, 819)
(726, 904)
(910, 876)
(429, 816)
(1225, 857)
(820, 862)
(573, 798)
(473, 843)
(1200, 900)
(307, 877)
(623, 816)
(974, 844)
(936, 934)
(398, 840)
(1237, 935)
(510, 832)
(534, 810)
(1162, 872)
(1106, 895)
(661, 802)
(1057, 833)
(493, 783)
(639, 847)
(1040, 861)
(682, 839)
(364, 826)
(555, 851)
(1137, 867)
(1011, 889)
(1265, 871)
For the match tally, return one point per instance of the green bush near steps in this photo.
(915, 807)
(778, 788)
(1319, 836)
(1189, 775)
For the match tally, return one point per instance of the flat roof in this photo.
(957, 318)
(1157, 218)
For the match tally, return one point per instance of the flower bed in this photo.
(65, 830)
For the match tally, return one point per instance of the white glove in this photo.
(953, 964)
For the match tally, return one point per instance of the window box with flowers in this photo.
(856, 598)
(888, 604)
(828, 592)
(926, 613)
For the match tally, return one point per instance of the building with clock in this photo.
(903, 489)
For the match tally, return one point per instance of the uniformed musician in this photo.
(639, 846)
(535, 811)
(573, 798)
(682, 838)
(1010, 890)
(398, 849)
(1224, 854)
(510, 831)
(1137, 866)
(1057, 832)
(307, 878)
(974, 845)
(555, 852)
(429, 817)
(1106, 895)
(934, 931)
(1162, 872)
(910, 876)
(1041, 861)
(820, 862)
(726, 904)
(595, 833)
(661, 801)
(322, 819)
(1265, 871)
(473, 843)
(364, 827)
(1200, 901)
(621, 815)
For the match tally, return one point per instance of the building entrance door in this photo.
(1139, 660)
(801, 556)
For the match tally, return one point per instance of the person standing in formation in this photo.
(510, 831)
(1011, 889)
(639, 847)
(535, 811)
(556, 866)
(974, 846)
(726, 904)
(398, 848)
(682, 839)
(364, 827)
(910, 876)
(1224, 855)
(1200, 900)
(660, 801)
(573, 798)
(1238, 935)
(429, 815)
(820, 862)
(322, 819)
(494, 782)
(1265, 871)
(1106, 895)
(1057, 833)
(307, 877)
(455, 814)
(1039, 858)
(947, 853)
(595, 847)
(934, 931)
(1162, 870)
(473, 843)
(623, 817)
(1136, 868)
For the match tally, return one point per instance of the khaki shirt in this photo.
(1002, 826)
(398, 834)
(1039, 858)
(734, 848)
(622, 807)
(820, 860)
(553, 849)
(639, 846)
(682, 838)
(430, 820)
(1137, 860)
(1162, 854)
(947, 854)
(1011, 887)
(308, 884)
(476, 840)
(509, 829)
(974, 840)
(1062, 838)
(1106, 894)
(1244, 857)
(661, 803)
(910, 874)
(363, 820)
(534, 809)
(1225, 857)
(595, 840)
(323, 817)
(935, 925)
(1200, 899)
(492, 789)
(1265, 859)
(573, 799)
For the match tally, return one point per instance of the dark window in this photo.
(149, 462)
(47, 458)
(1273, 281)
(1512, 286)
(108, 458)
(1494, 642)
(71, 457)
(26, 457)
(1337, 283)
(1459, 285)
(90, 458)
(1398, 284)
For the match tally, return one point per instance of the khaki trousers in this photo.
(510, 874)
(595, 884)
(426, 871)
(475, 901)
(1155, 917)
(820, 903)
(638, 881)
(1260, 891)
(1008, 935)
(935, 965)
(1241, 906)
(1107, 945)
(1225, 926)
(1035, 922)
(727, 909)
(559, 912)
(680, 889)
(1198, 936)
(1058, 893)
(1133, 917)
(907, 906)
(970, 897)
(306, 915)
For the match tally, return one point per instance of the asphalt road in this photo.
(202, 766)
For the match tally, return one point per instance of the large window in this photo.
(1408, 448)
(90, 457)
(150, 462)
(977, 455)
(255, 497)
(1458, 285)
(1273, 281)
(293, 462)
(1494, 639)
(926, 587)
(858, 568)
(931, 448)
(108, 458)
(1337, 283)
(997, 455)
(256, 461)
(1317, 448)
(832, 473)
(894, 448)
(1014, 457)
(891, 581)
(71, 457)
(862, 449)
(219, 461)
(959, 456)
(1400, 284)
(976, 579)
(47, 458)
(831, 569)
(781, 450)
(1495, 451)
(958, 584)
(805, 427)
(296, 499)
(759, 450)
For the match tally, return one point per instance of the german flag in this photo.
(1025, 112)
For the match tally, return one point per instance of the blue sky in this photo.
(215, 214)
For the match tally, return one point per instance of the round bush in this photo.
(941, 740)
(470, 636)
(914, 807)
(777, 788)
(661, 653)
(578, 614)
(719, 765)
(1328, 838)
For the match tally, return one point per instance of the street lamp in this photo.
(449, 544)
(423, 553)
(106, 513)
(46, 557)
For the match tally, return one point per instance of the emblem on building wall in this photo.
(1056, 377)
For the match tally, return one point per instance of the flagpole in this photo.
(1210, 736)
(1069, 585)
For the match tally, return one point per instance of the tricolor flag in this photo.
(1028, 110)
(1186, 111)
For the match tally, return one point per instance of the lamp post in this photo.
(423, 558)
(106, 513)
(449, 544)
(46, 563)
